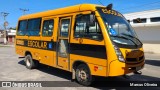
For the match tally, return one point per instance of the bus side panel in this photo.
(95, 69)
(43, 56)
(19, 50)
(19, 43)
(93, 55)
(47, 57)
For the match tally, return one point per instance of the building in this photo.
(148, 29)
(1, 33)
(10, 36)
(1, 36)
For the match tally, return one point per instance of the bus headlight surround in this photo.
(119, 54)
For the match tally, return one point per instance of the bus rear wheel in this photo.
(30, 63)
(83, 75)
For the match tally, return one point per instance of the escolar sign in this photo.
(111, 12)
(37, 44)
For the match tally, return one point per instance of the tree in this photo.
(13, 28)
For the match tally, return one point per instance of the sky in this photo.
(13, 6)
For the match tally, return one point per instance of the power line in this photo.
(141, 5)
(141, 10)
(100, 2)
(4, 14)
(24, 10)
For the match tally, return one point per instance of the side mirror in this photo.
(109, 7)
(92, 20)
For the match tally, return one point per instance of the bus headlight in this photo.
(119, 54)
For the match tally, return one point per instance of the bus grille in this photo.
(131, 59)
(134, 59)
(140, 58)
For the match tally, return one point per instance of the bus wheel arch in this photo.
(28, 53)
(77, 63)
(81, 71)
(29, 61)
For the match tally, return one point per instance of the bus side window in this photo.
(83, 28)
(48, 26)
(34, 27)
(65, 25)
(22, 27)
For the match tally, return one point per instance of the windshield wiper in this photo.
(126, 38)
(132, 37)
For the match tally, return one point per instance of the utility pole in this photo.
(5, 14)
(24, 10)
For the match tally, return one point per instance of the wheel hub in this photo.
(83, 75)
(28, 62)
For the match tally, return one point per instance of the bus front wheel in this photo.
(30, 63)
(83, 75)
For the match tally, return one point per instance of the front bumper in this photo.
(117, 68)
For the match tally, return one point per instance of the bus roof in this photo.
(65, 10)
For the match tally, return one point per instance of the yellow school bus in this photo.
(87, 39)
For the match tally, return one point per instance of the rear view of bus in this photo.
(128, 55)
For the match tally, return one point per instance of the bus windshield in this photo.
(119, 29)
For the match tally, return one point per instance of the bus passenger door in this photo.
(62, 43)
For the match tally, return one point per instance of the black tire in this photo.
(85, 80)
(30, 63)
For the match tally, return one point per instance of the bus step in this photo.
(126, 77)
(138, 72)
(21, 57)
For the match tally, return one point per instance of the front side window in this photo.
(83, 29)
(22, 27)
(33, 27)
(48, 26)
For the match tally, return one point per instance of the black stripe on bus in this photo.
(97, 51)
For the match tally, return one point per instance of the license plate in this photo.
(138, 68)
